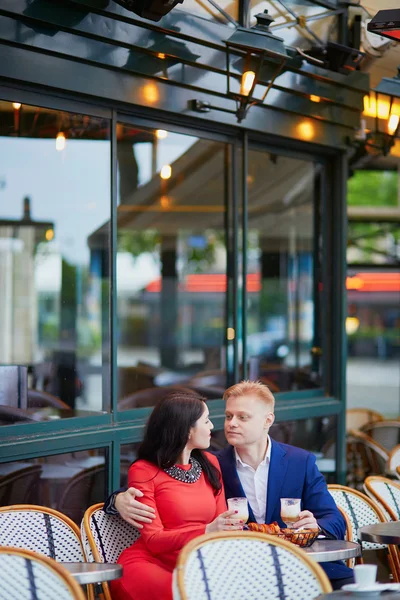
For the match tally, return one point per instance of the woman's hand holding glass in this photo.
(225, 522)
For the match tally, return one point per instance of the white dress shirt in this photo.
(255, 482)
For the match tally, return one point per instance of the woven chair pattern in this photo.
(394, 460)
(24, 578)
(111, 535)
(359, 512)
(40, 532)
(387, 491)
(247, 569)
(86, 545)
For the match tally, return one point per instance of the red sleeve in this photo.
(157, 539)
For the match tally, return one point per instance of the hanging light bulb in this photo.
(393, 123)
(17, 105)
(60, 141)
(247, 82)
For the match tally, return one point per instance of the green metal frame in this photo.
(111, 430)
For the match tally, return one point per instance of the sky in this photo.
(71, 188)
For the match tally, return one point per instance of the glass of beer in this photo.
(290, 510)
(240, 505)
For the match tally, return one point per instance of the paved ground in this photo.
(375, 384)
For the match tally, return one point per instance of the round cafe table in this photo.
(381, 533)
(85, 573)
(327, 550)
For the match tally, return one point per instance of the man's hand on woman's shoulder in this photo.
(131, 510)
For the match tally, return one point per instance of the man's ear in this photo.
(269, 420)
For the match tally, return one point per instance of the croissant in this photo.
(271, 528)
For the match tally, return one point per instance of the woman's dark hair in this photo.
(167, 433)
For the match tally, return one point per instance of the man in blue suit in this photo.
(255, 466)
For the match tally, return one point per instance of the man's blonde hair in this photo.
(251, 388)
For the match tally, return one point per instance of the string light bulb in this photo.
(393, 123)
(247, 82)
(17, 105)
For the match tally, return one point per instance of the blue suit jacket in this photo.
(292, 474)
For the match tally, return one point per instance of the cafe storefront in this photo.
(160, 229)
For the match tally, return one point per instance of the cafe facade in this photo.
(164, 223)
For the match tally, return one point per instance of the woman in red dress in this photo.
(184, 486)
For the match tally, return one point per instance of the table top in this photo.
(381, 533)
(327, 550)
(85, 573)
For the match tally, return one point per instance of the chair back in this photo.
(255, 566)
(364, 457)
(360, 510)
(148, 397)
(357, 417)
(40, 529)
(104, 537)
(81, 491)
(29, 576)
(393, 461)
(40, 399)
(386, 494)
(107, 535)
(363, 511)
(386, 433)
(20, 486)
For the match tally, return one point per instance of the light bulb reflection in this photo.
(352, 324)
(161, 134)
(60, 141)
(306, 130)
(166, 172)
(247, 82)
(17, 105)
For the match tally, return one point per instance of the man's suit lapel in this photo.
(276, 475)
(233, 487)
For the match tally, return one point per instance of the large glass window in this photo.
(283, 322)
(171, 265)
(373, 291)
(54, 266)
(69, 482)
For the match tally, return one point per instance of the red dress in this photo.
(182, 512)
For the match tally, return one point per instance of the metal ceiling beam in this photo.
(329, 4)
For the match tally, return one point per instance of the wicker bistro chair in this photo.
(386, 433)
(393, 462)
(105, 537)
(362, 511)
(359, 417)
(29, 576)
(20, 486)
(44, 530)
(365, 457)
(386, 493)
(255, 566)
